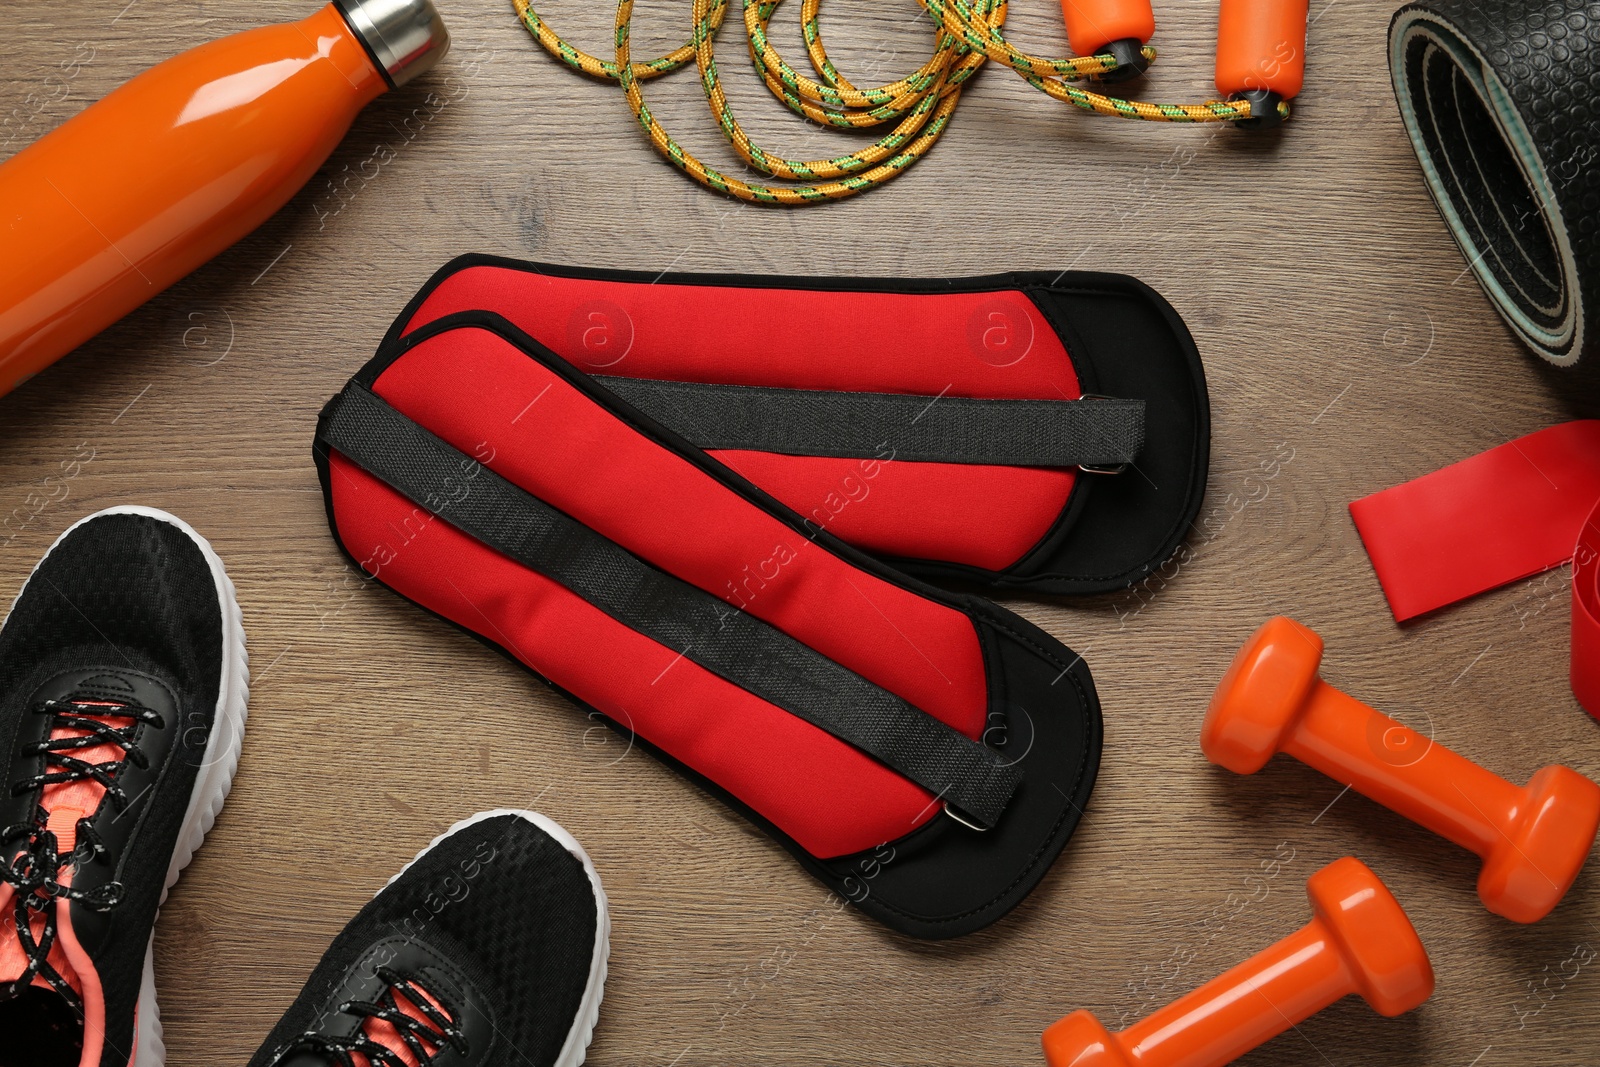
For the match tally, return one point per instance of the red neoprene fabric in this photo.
(992, 344)
(1586, 616)
(488, 399)
(1508, 513)
(826, 795)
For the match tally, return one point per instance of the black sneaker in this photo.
(122, 706)
(487, 950)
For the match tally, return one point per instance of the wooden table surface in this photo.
(1347, 350)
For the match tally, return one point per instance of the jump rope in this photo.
(1260, 67)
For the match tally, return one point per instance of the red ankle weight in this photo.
(972, 469)
(853, 712)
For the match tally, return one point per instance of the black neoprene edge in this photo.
(990, 624)
(1038, 569)
(1012, 280)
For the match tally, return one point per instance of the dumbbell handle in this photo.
(1235, 1012)
(1400, 769)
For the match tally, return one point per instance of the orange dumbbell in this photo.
(1358, 941)
(1533, 839)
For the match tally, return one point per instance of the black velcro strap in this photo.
(1096, 431)
(744, 650)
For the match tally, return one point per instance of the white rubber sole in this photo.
(576, 1046)
(216, 772)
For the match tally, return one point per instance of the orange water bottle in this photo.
(119, 202)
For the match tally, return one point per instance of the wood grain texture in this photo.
(1338, 327)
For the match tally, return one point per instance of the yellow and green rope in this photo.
(967, 34)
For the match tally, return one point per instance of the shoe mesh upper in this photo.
(511, 905)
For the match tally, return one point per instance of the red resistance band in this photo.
(1026, 336)
(925, 753)
(1512, 512)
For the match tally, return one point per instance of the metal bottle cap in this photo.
(405, 37)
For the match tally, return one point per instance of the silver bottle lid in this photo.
(406, 37)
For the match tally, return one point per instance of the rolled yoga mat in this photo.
(1501, 99)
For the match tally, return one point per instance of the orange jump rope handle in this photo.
(1261, 52)
(1533, 838)
(119, 202)
(1358, 941)
(1120, 27)
(1093, 24)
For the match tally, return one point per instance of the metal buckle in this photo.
(948, 810)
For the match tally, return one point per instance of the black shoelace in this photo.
(36, 869)
(435, 1028)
